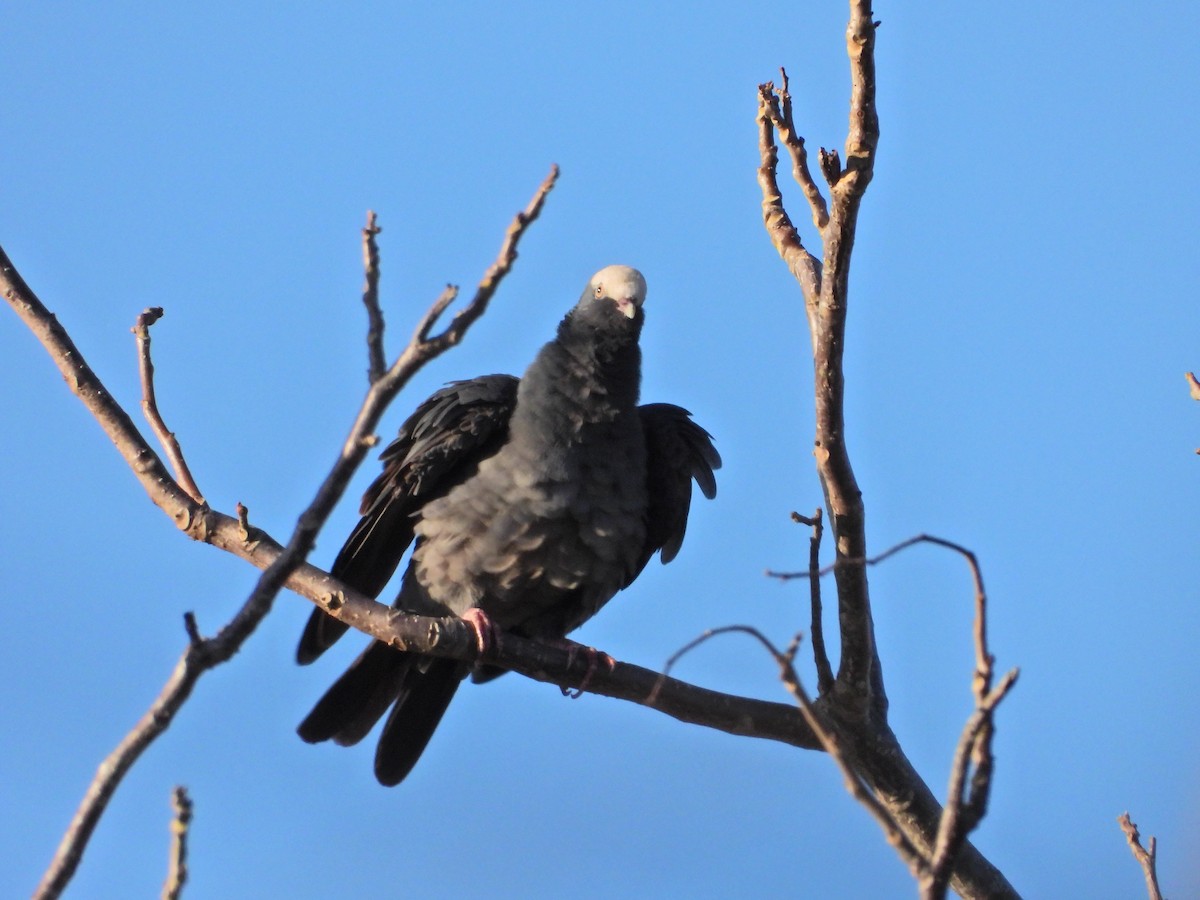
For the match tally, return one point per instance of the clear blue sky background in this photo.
(1023, 310)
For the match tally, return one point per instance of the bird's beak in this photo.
(627, 307)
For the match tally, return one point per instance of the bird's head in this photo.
(620, 285)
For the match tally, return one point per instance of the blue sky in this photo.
(1022, 315)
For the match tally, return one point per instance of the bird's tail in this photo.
(418, 688)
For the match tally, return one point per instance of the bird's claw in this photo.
(595, 658)
(487, 635)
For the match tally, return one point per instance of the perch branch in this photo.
(1147, 857)
(687, 703)
(177, 872)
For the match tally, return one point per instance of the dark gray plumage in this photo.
(532, 500)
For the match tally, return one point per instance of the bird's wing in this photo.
(440, 445)
(678, 451)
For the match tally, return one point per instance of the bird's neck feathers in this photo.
(591, 373)
(603, 344)
(597, 330)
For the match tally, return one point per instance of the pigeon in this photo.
(529, 503)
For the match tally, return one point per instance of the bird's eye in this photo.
(599, 290)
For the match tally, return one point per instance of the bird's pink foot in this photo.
(487, 634)
(595, 659)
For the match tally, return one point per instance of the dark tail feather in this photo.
(320, 633)
(366, 562)
(355, 702)
(423, 699)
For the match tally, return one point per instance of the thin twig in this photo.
(204, 654)
(177, 871)
(817, 627)
(376, 360)
(425, 325)
(870, 560)
(961, 816)
(825, 733)
(805, 267)
(780, 109)
(1147, 857)
(113, 769)
(498, 269)
(191, 628)
(243, 519)
(166, 437)
(973, 753)
(1193, 387)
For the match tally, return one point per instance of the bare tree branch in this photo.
(245, 529)
(804, 267)
(376, 359)
(780, 109)
(817, 628)
(1147, 857)
(1193, 387)
(826, 734)
(203, 654)
(439, 637)
(725, 712)
(857, 701)
(166, 437)
(177, 871)
(113, 769)
(961, 816)
(825, 288)
(858, 670)
(973, 754)
(877, 559)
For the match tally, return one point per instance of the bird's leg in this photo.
(487, 634)
(595, 658)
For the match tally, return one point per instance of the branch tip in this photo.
(192, 629)
(1147, 857)
(177, 871)
(376, 360)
